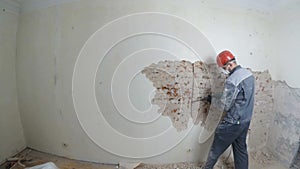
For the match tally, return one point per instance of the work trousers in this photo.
(228, 134)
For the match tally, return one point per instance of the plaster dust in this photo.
(257, 161)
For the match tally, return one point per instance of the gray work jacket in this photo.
(238, 96)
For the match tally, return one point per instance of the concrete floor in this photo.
(256, 161)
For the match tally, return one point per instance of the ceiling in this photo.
(255, 5)
(258, 5)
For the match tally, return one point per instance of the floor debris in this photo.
(257, 160)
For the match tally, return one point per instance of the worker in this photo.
(238, 102)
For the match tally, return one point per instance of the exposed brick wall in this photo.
(201, 88)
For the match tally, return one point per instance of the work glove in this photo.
(207, 98)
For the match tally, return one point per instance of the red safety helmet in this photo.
(224, 57)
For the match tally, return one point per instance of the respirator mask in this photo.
(226, 72)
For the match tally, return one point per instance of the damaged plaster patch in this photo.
(173, 82)
(263, 110)
(201, 88)
(179, 83)
(217, 81)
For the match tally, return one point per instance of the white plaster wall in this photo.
(51, 37)
(285, 52)
(11, 132)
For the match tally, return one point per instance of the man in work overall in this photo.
(238, 103)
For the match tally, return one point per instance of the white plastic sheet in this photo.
(49, 165)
